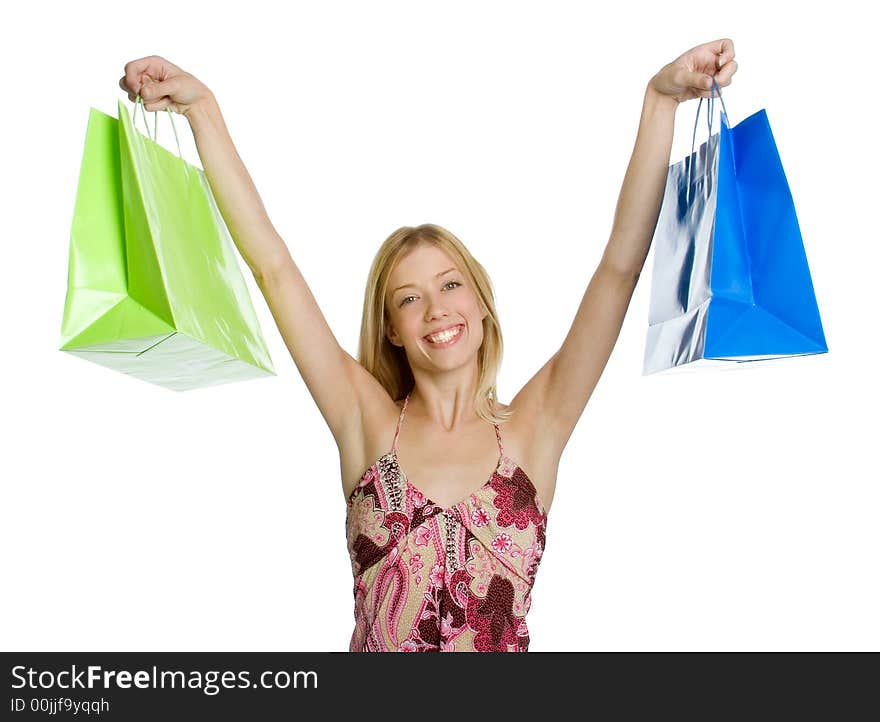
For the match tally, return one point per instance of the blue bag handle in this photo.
(710, 108)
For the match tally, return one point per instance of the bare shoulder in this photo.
(518, 429)
(533, 451)
(364, 446)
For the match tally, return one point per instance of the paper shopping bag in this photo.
(730, 281)
(154, 289)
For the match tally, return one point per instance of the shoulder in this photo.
(518, 430)
(370, 442)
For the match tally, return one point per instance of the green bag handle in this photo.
(140, 101)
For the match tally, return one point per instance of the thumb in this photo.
(152, 90)
(691, 79)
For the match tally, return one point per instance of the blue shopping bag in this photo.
(730, 280)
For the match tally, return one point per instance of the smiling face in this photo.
(428, 294)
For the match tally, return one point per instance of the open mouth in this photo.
(445, 338)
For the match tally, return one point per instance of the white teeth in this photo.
(445, 336)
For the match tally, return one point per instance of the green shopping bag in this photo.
(154, 289)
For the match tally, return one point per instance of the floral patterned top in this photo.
(429, 579)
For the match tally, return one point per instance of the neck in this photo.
(450, 409)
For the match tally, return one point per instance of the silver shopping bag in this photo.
(731, 281)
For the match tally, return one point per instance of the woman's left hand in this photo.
(690, 75)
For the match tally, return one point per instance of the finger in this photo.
(690, 79)
(723, 76)
(124, 85)
(722, 79)
(135, 70)
(152, 67)
(725, 51)
(152, 90)
(131, 94)
(712, 92)
(157, 105)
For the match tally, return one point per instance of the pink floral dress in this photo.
(429, 579)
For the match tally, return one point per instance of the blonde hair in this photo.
(387, 362)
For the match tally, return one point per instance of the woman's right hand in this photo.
(162, 85)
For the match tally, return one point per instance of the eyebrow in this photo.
(406, 285)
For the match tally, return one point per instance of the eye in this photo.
(455, 284)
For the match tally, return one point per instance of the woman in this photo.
(440, 563)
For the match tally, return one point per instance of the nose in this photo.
(434, 309)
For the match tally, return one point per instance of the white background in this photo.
(711, 511)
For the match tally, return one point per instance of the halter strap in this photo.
(400, 423)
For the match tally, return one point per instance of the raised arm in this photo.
(340, 386)
(557, 395)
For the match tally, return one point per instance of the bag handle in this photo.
(710, 106)
(140, 101)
